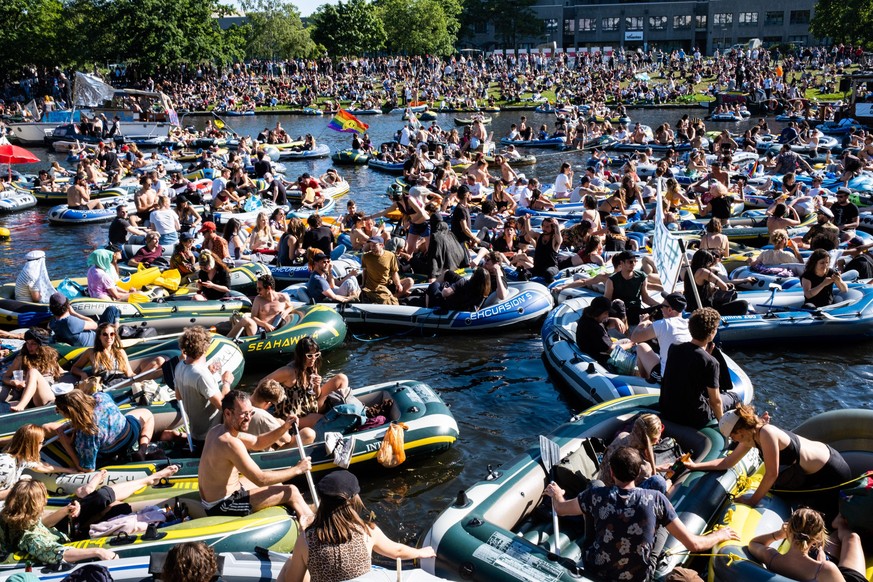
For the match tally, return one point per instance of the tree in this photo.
(276, 30)
(420, 26)
(846, 21)
(351, 28)
(28, 34)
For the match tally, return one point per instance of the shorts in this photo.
(852, 575)
(127, 440)
(237, 504)
(421, 230)
(78, 207)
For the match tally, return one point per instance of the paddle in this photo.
(309, 480)
(551, 455)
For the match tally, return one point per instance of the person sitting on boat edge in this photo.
(690, 392)
(229, 480)
(462, 293)
(593, 338)
(791, 462)
(268, 393)
(626, 517)
(339, 543)
(103, 277)
(644, 435)
(22, 453)
(818, 280)
(79, 196)
(270, 310)
(196, 386)
(306, 391)
(108, 360)
(822, 228)
(324, 287)
(630, 285)
(671, 329)
(805, 558)
(33, 284)
(213, 278)
(75, 329)
(150, 253)
(39, 364)
(381, 272)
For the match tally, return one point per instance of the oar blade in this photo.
(550, 453)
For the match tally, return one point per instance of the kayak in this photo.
(527, 303)
(779, 316)
(321, 323)
(849, 432)
(590, 380)
(431, 429)
(15, 200)
(494, 531)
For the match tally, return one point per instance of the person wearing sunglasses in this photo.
(108, 360)
(306, 391)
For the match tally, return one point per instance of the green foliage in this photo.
(351, 28)
(276, 30)
(28, 33)
(847, 21)
(417, 27)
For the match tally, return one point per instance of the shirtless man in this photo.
(79, 196)
(230, 482)
(269, 309)
(145, 200)
(639, 135)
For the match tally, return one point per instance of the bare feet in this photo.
(93, 484)
(164, 473)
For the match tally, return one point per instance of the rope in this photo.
(390, 336)
(821, 489)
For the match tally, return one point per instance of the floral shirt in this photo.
(625, 525)
(44, 545)
(111, 428)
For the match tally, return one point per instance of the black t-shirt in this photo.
(222, 277)
(844, 214)
(461, 216)
(110, 158)
(690, 372)
(320, 238)
(281, 196)
(824, 297)
(118, 231)
(593, 339)
(721, 207)
(261, 168)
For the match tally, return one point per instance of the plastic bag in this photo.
(391, 453)
(169, 279)
(71, 289)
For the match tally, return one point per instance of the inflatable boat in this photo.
(527, 303)
(494, 531)
(552, 142)
(328, 192)
(592, 381)
(15, 200)
(351, 157)
(780, 316)
(319, 151)
(322, 323)
(52, 198)
(430, 429)
(750, 229)
(63, 214)
(385, 166)
(850, 431)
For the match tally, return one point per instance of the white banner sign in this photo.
(666, 251)
(633, 35)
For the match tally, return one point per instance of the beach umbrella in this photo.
(10, 154)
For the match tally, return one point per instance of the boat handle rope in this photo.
(821, 489)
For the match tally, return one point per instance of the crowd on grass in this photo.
(467, 82)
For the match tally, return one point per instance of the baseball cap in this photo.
(826, 211)
(208, 225)
(727, 423)
(186, 236)
(376, 239)
(319, 257)
(675, 301)
(339, 484)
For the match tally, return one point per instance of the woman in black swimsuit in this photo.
(791, 462)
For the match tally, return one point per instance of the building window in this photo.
(481, 27)
(748, 18)
(681, 22)
(551, 25)
(722, 19)
(609, 24)
(569, 26)
(587, 24)
(798, 39)
(774, 19)
(657, 22)
(700, 22)
(633, 23)
(799, 17)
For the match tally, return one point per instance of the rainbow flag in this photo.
(346, 122)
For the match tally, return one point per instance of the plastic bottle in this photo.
(678, 466)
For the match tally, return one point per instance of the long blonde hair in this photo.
(24, 507)
(25, 443)
(647, 429)
(79, 408)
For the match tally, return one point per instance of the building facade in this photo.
(706, 24)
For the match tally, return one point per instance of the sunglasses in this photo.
(313, 355)
(105, 334)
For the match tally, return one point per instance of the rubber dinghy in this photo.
(551, 142)
(322, 323)
(260, 565)
(222, 353)
(15, 200)
(526, 303)
(495, 532)
(779, 316)
(592, 381)
(850, 432)
(431, 429)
